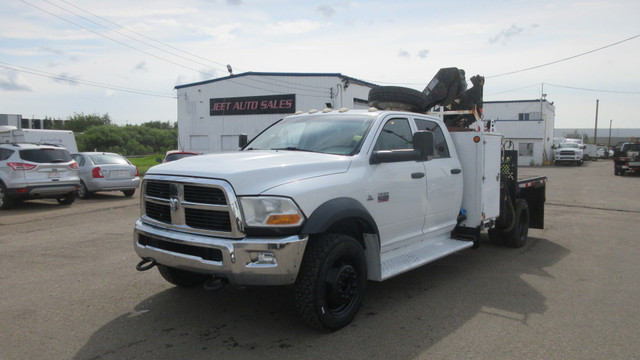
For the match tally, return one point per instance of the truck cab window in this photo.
(442, 149)
(396, 134)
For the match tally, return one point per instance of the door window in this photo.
(396, 134)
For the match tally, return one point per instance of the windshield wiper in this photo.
(292, 148)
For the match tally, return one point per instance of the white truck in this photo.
(62, 138)
(327, 200)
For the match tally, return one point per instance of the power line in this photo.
(83, 82)
(316, 89)
(565, 59)
(596, 90)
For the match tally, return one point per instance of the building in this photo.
(528, 124)
(213, 114)
(25, 123)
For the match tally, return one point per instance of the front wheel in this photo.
(5, 201)
(331, 282)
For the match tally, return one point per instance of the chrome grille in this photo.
(195, 205)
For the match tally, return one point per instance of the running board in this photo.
(407, 258)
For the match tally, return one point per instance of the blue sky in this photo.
(60, 57)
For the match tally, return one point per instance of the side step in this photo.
(407, 258)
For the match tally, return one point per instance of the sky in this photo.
(124, 58)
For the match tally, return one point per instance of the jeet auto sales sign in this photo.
(250, 105)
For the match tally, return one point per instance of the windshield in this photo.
(569, 145)
(336, 134)
(104, 159)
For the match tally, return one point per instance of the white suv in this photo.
(29, 171)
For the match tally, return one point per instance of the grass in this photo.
(145, 162)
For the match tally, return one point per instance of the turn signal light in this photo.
(287, 219)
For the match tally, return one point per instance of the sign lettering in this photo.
(251, 105)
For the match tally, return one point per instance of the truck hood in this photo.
(253, 172)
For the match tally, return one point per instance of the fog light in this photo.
(266, 258)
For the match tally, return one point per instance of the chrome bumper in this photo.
(247, 261)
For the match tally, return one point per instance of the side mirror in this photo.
(423, 143)
(583, 147)
(423, 149)
(242, 140)
(158, 160)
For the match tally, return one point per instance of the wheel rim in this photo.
(341, 287)
(82, 190)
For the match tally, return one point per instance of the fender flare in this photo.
(335, 210)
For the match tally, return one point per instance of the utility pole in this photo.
(610, 121)
(595, 131)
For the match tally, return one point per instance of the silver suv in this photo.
(29, 171)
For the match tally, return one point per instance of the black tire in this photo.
(331, 281)
(182, 278)
(396, 97)
(5, 201)
(82, 191)
(517, 236)
(129, 193)
(67, 200)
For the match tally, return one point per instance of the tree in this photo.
(80, 122)
(166, 125)
(577, 135)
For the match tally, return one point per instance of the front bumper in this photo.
(247, 261)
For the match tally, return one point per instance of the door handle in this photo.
(417, 175)
(456, 171)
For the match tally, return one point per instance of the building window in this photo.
(523, 116)
(525, 149)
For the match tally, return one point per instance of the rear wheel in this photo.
(517, 236)
(67, 200)
(331, 282)
(182, 278)
(82, 192)
(129, 193)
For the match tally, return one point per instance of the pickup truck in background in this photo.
(627, 158)
(568, 153)
(328, 200)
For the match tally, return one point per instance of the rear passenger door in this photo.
(443, 181)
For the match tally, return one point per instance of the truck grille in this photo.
(193, 205)
(567, 152)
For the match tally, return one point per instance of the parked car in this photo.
(173, 155)
(29, 171)
(104, 171)
(603, 152)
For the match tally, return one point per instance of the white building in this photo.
(213, 114)
(528, 123)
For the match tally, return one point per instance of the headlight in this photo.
(264, 211)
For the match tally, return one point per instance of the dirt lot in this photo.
(69, 290)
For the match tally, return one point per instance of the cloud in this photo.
(423, 53)
(404, 54)
(67, 79)
(292, 27)
(326, 10)
(141, 66)
(234, 2)
(507, 34)
(9, 81)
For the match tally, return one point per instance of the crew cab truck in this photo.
(627, 158)
(327, 200)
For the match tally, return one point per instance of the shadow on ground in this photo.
(400, 317)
